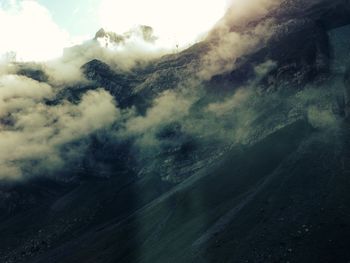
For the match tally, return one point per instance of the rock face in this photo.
(279, 193)
(109, 38)
(118, 84)
(142, 32)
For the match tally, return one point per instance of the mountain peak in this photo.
(146, 33)
(100, 33)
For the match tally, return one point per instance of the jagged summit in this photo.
(142, 32)
(109, 36)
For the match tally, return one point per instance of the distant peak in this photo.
(100, 33)
(143, 32)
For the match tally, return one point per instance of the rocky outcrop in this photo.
(118, 84)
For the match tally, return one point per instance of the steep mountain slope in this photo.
(220, 153)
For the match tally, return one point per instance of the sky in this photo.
(78, 17)
(39, 29)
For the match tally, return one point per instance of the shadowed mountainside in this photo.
(255, 170)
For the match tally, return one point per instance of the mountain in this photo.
(233, 150)
(112, 39)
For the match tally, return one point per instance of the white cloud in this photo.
(231, 39)
(32, 133)
(175, 22)
(242, 12)
(167, 108)
(27, 28)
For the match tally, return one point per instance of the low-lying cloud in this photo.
(43, 133)
(33, 132)
(241, 31)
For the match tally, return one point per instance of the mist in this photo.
(41, 117)
(32, 132)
